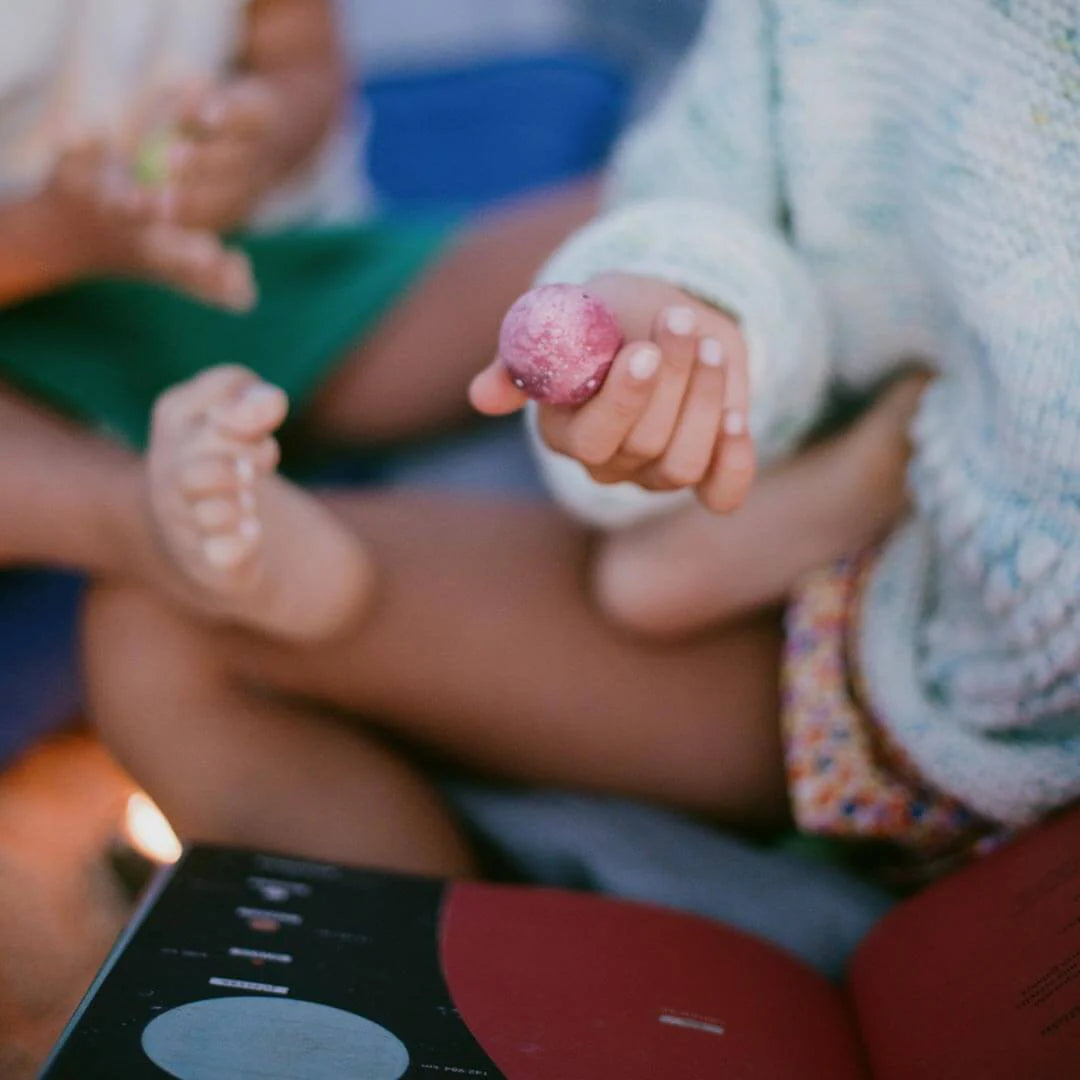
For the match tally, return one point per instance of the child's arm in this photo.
(242, 137)
(697, 209)
(673, 413)
(92, 220)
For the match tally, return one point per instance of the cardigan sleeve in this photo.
(693, 198)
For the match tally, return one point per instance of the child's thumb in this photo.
(493, 393)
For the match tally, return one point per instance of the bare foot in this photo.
(250, 547)
(680, 574)
(867, 467)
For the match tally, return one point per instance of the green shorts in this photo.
(103, 351)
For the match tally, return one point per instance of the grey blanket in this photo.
(814, 911)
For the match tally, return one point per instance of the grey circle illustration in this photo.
(244, 1038)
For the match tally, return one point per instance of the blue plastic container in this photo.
(464, 137)
(39, 681)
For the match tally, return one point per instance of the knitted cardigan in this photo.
(861, 182)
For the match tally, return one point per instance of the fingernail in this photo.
(245, 470)
(711, 352)
(680, 320)
(643, 362)
(734, 422)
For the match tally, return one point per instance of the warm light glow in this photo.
(148, 831)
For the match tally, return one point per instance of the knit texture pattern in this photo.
(862, 182)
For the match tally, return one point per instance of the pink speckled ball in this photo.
(558, 342)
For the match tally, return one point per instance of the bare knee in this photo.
(135, 646)
(632, 588)
(155, 684)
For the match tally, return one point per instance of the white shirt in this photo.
(110, 68)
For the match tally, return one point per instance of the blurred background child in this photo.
(178, 182)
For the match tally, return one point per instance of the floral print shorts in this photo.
(846, 779)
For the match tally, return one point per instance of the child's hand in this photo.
(217, 163)
(121, 229)
(672, 412)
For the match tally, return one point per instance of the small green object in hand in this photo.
(151, 167)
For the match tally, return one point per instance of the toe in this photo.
(217, 466)
(264, 456)
(179, 407)
(231, 550)
(258, 410)
(205, 477)
(218, 514)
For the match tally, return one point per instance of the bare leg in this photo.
(481, 648)
(68, 497)
(74, 499)
(411, 374)
(675, 575)
(231, 765)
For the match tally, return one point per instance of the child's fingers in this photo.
(244, 107)
(594, 433)
(212, 206)
(726, 487)
(732, 472)
(120, 197)
(198, 263)
(197, 106)
(248, 107)
(693, 445)
(210, 184)
(202, 111)
(91, 170)
(80, 166)
(180, 252)
(493, 392)
(648, 440)
(190, 161)
(238, 290)
(140, 207)
(737, 392)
